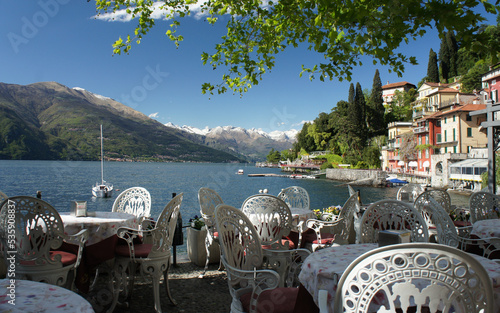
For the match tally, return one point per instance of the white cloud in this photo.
(158, 13)
(301, 123)
(154, 115)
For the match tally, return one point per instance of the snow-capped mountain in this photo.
(253, 143)
(228, 131)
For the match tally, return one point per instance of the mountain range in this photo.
(50, 121)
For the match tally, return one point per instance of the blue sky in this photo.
(59, 40)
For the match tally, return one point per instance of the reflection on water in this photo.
(63, 181)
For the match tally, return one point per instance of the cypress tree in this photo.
(351, 94)
(360, 105)
(452, 45)
(375, 108)
(432, 67)
(444, 59)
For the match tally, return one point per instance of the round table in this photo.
(486, 228)
(101, 226)
(31, 296)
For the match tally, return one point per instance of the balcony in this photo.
(422, 129)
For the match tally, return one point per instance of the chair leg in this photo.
(165, 281)
(117, 283)
(156, 292)
(132, 268)
(207, 249)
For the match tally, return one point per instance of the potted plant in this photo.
(196, 234)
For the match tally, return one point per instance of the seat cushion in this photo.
(279, 300)
(283, 242)
(67, 258)
(140, 250)
(462, 223)
(326, 238)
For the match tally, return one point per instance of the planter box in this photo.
(196, 247)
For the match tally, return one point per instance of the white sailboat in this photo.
(104, 189)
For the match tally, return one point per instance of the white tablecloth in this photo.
(100, 227)
(30, 296)
(486, 228)
(323, 269)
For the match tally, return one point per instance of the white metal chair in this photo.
(153, 259)
(483, 205)
(135, 201)
(441, 196)
(351, 190)
(37, 238)
(441, 278)
(272, 219)
(209, 199)
(253, 287)
(409, 192)
(448, 234)
(295, 197)
(392, 215)
(336, 231)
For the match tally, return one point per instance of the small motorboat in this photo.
(240, 172)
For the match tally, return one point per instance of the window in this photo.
(454, 137)
(445, 149)
(419, 154)
(427, 153)
(468, 118)
(427, 139)
(469, 131)
(453, 118)
(454, 149)
(438, 138)
(445, 119)
(445, 136)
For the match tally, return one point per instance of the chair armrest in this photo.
(78, 239)
(255, 281)
(318, 225)
(287, 263)
(128, 234)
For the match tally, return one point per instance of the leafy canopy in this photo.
(342, 31)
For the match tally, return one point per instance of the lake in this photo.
(63, 181)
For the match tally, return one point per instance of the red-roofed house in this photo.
(389, 90)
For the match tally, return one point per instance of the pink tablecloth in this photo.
(322, 270)
(31, 296)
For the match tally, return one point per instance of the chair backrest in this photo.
(241, 245)
(271, 217)
(351, 190)
(441, 196)
(295, 197)
(349, 213)
(392, 215)
(163, 233)
(411, 191)
(422, 274)
(3, 196)
(134, 200)
(209, 200)
(38, 229)
(435, 215)
(483, 205)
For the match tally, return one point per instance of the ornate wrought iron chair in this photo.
(351, 190)
(448, 234)
(135, 201)
(336, 231)
(37, 239)
(441, 278)
(295, 197)
(153, 259)
(253, 287)
(483, 205)
(209, 200)
(272, 220)
(392, 215)
(409, 192)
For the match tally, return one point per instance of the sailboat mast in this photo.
(102, 161)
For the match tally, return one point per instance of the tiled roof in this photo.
(464, 108)
(396, 85)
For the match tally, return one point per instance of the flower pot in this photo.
(196, 247)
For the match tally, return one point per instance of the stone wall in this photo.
(358, 177)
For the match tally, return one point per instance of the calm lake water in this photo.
(64, 181)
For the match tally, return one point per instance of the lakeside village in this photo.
(454, 153)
